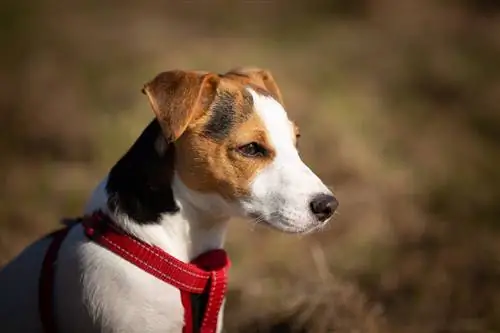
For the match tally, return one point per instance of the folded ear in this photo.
(179, 97)
(260, 77)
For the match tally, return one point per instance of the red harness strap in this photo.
(206, 276)
(46, 281)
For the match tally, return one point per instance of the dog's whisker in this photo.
(255, 221)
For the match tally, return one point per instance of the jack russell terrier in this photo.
(147, 254)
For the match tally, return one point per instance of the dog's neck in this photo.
(185, 234)
(144, 195)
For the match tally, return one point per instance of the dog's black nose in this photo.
(323, 206)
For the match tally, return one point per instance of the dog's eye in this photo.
(252, 149)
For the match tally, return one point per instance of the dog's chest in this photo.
(116, 295)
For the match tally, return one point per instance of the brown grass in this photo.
(398, 107)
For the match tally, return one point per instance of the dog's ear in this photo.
(179, 97)
(260, 77)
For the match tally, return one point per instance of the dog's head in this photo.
(234, 140)
(236, 149)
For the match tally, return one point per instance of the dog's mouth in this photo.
(279, 223)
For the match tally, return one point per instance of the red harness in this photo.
(202, 283)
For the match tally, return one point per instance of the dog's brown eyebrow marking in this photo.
(228, 110)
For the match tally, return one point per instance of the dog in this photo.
(219, 146)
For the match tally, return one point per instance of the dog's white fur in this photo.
(97, 291)
(281, 192)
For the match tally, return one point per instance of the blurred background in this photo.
(398, 104)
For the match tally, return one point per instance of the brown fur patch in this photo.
(216, 166)
(179, 97)
(229, 109)
(257, 77)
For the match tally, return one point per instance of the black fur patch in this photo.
(139, 184)
(222, 118)
(224, 115)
